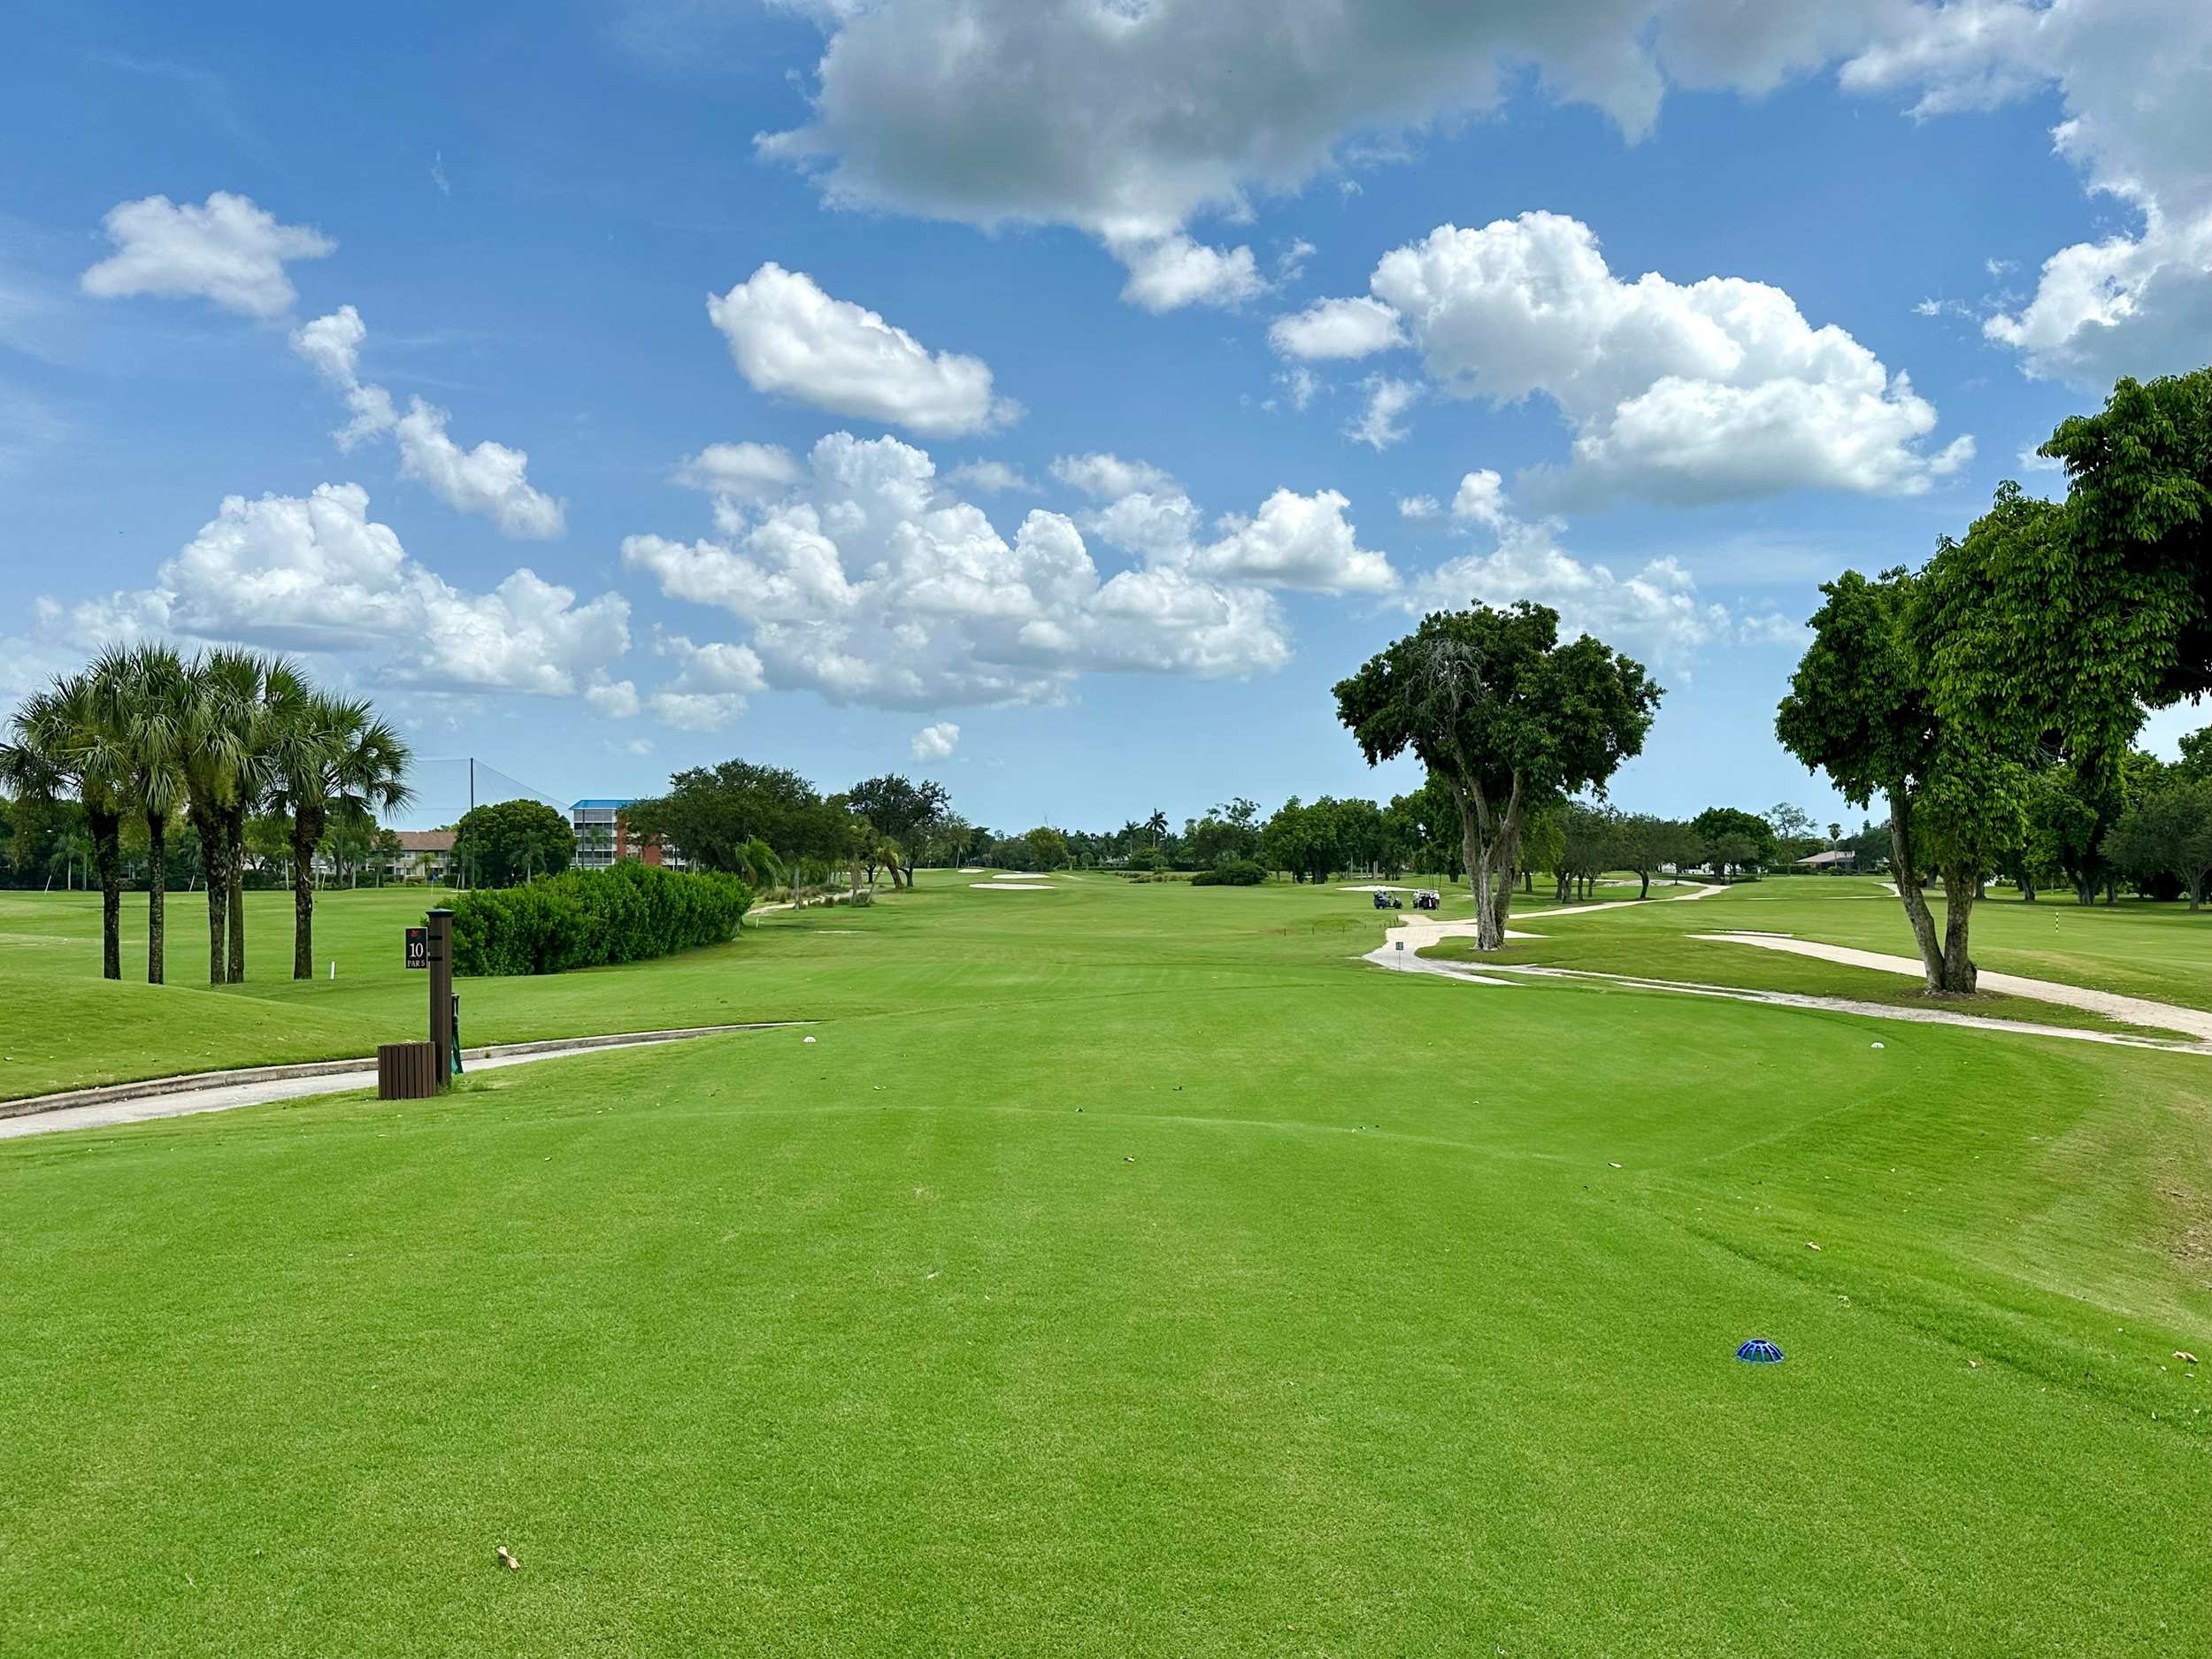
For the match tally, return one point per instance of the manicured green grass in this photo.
(1126, 1270)
(2142, 949)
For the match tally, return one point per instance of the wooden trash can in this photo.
(406, 1071)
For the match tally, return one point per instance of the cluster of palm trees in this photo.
(143, 732)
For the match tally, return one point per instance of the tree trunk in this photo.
(306, 831)
(1645, 891)
(235, 844)
(1915, 902)
(1960, 889)
(107, 857)
(1505, 853)
(156, 897)
(1478, 865)
(215, 865)
(2027, 889)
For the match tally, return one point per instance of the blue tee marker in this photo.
(1759, 1351)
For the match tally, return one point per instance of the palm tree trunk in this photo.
(215, 865)
(305, 832)
(157, 896)
(107, 855)
(235, 839)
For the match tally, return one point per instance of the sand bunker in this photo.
(1009, 886)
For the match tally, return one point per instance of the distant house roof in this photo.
(426, 841)
(595, 805)
(1830, 858)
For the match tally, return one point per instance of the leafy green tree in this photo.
(508, 841)
(2101, 607)
(1048, 848)
(1645, 843)
(2196, 755)
(1733, 850)
(903, 811)
(712, 814)
(1586, 846)
(2167, 832)
(1790, 823)
(1860, 707)
(1509, 718)
(1300, 839)
(1715, 822)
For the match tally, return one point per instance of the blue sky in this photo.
(1213, 289)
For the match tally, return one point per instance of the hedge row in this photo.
(587, 918)
(1231, 872)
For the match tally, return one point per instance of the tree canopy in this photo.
(1507, 717)
(507, 841)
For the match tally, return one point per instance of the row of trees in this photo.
(215, 743)
(771, 826)
(2029, 650)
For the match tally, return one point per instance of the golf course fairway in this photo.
(1124, 1269)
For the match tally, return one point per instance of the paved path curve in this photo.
(1420, 931)
(1399, 951)
(178, 1097)
(2130, 1011)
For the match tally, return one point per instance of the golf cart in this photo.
(1428, 899)
(1387, 902)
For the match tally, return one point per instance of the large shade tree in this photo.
(903, 812)
(1508, 718)
(2082, 614)
(502, 842)
(714, 814)
(1860, 708)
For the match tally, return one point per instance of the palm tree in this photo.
(327, 755)
(62, 742)
(231, 719)
(147, 692)
(1157, 826)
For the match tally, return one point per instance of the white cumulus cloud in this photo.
(1108, 477)
(935, 741)
(492, 479)
(227, 249)
(790, 339)
(1654, 612)
(993, 478)
(1713, 390)
(1382, 423)
(870, 582)
(711, 682)
(316, 573)
(1353, 327)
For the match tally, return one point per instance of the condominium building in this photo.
(603, 835)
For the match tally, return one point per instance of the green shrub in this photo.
(1231, 872)
(588, 918)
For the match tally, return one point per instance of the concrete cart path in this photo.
(179, 1097)
(2128, 1010)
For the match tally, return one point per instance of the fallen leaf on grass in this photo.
(508, 1560)
(1810, 1245)
(2185, 1356)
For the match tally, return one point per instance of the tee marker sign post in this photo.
(416, 1071)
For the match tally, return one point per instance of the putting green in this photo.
(1133, 1273)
